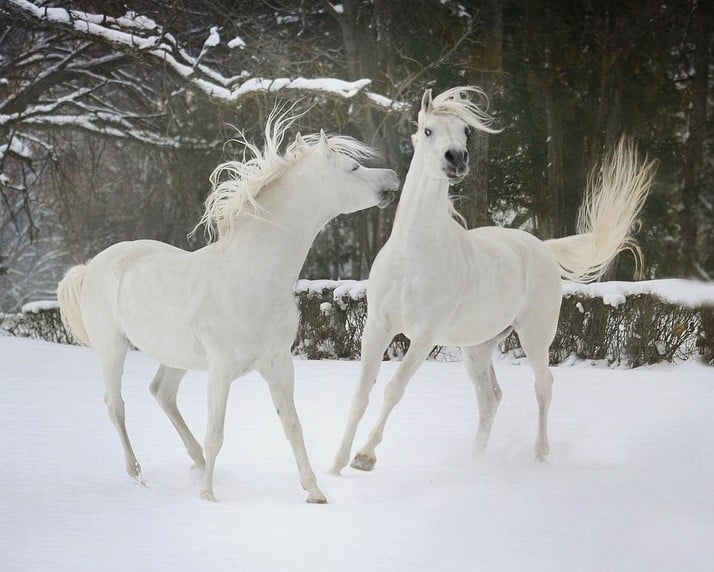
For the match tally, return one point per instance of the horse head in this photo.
(445, 125)
(334, 166)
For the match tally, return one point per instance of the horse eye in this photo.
(427, 132)
(355, 167)
(468, 132)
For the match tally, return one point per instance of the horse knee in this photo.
(213, 445)
(393, 393)
(162, 391)
(498, 393)
(115, 406)
(544, 384)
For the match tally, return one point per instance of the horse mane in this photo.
(457, 102)
(237, 185)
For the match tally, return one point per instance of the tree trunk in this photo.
(692, 250)
(486, 69)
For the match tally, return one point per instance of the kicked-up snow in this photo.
(629, 484)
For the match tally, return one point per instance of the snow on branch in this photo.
(137, 32)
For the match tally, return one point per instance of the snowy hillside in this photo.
(629, 485)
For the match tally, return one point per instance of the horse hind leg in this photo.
(478, 361)
(112, 358)
(535, 345)
(164, 388)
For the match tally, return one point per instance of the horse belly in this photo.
(482, 316)
(178, 349)
(163, 336)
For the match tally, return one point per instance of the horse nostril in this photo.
(456, 158)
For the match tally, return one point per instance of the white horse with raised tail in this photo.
(229, 307)
(440, 284)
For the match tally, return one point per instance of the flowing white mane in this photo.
(237, 185)
(456, 101)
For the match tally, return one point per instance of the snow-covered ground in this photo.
(629, 485)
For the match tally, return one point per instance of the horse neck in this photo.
(277, 246)
(423, 214)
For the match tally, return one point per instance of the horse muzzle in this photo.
(455, 176)
(456, 165)
(391, 185)
(386, 197)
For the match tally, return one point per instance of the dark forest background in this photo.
(103, 140)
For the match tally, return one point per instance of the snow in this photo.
(16, 146)
(236, 42)
(39, 305)
(386, 102)
(213, 39)
(354, 289)
(628, 485)
(688, 293)
(286, 19)
(142, 33)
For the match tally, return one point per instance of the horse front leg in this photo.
(280, 376)
(375, 340)
(218, 389)
(415, 356)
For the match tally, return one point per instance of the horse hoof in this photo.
(208, 496)
(140, 481)
(363, 462)
(134, 470)
(317, 498)
(541, 453)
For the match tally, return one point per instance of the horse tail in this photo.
(613, 199)
(69, 292)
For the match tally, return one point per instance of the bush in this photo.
(642, 330)
(38, 320)
(633, 325)
(620, 323)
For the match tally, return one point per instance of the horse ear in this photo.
(426, 102)
(299, 141)
(323, 145)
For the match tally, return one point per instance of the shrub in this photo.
(38, 320)
(621, 323)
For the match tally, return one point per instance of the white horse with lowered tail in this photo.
(229, 307)
(440, 284)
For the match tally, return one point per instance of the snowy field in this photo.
(629, 484)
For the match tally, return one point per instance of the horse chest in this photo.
(421, 299)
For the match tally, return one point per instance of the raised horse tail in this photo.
(614, 197)
(69, 292)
